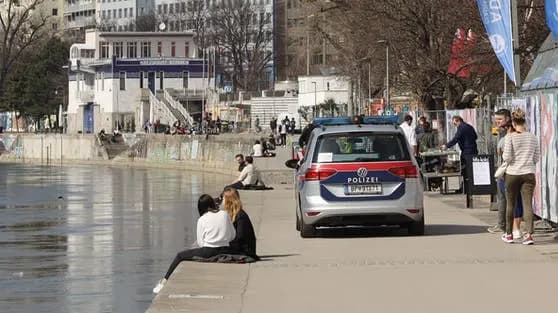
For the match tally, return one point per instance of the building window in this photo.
(161, 74)
(55, 27)
(183, 7)
(103, 14)
(132, 12)
(186, 50)
(165, 8)
(171, 9)
(159, 9)
(104, 48)
(125, 12)
(132, 48)
(122, 80)
(141, 79)
(117, 49)
(173, 49)
(185, 78)
(54, 12)
(146, 49)
(119, 13)
(159, 49)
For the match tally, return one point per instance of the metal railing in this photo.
(159, 111)
(179, 107)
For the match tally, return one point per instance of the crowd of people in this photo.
(518, 152)
(225, 233)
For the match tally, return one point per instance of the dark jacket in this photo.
(428, 141)
(466, 137)
(245, 240)
(306, 131)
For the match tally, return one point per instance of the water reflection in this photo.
(92, 239)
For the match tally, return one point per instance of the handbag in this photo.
(501, 170)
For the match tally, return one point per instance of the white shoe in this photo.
(159, 286)
(517, 234)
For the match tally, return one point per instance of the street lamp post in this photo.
(388, 106)
(315, 100)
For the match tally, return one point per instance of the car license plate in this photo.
(371, 189)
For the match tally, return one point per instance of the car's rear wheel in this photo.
(416, 228)
(306, 230)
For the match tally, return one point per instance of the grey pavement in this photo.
(456, 267)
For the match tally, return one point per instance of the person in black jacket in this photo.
(465, 137)
(245, 241)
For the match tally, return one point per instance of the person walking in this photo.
(283, 132)
(521, 153)
(410, 133)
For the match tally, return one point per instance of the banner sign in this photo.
(496, 17)
(551, 9)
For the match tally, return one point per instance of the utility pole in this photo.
(515, 36)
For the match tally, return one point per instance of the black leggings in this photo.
(188, 255)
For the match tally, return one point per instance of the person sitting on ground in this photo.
(241, 163)
(214, 233)
(245, 241)
(258, 149)
(250, 176)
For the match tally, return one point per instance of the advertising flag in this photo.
(551, 9)
(497, 20)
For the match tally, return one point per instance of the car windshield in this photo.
(361, 147)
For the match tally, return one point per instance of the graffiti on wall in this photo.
(549, 160)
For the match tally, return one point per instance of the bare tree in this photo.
(244, 37)
(146, 23)
(21, 27)
(420, 35)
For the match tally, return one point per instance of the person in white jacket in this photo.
(215, 231)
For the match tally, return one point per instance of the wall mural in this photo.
(549, 160)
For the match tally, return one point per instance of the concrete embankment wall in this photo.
(213, 154)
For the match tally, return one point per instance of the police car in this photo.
(357, 173)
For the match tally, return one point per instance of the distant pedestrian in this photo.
(292, 126)
(521, 153)
(419, 130)
(273, 125)
(283, 132)
(409, 133)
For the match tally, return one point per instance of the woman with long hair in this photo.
(245, 240)
(214, 232)
(521, 153)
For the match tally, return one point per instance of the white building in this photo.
(314, 90)
(122, 79)
(121, 15)
(175, 15)
(79, 15)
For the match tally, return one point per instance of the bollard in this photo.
(47, 155)
(42, 148)
(61, 149)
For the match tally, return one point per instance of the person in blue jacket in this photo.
(466, 138)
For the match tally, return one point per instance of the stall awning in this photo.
(544, 72)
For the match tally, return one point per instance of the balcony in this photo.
(78, 7)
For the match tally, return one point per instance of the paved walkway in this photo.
(456, 267)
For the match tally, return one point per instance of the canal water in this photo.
(92, 239)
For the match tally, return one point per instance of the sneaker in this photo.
(528, 240)
(517, 234)
(159, 286)
(508, 238)
(496, 229)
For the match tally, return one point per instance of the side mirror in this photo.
(293, 163)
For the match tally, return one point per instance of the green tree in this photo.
(36, 86)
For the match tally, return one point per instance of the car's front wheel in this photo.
(416, 228)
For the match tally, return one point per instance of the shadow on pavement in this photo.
(448, 229)
(395, 231)
(271, 257)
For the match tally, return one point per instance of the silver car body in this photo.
(361, 193)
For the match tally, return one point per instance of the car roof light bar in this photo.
(366, 120)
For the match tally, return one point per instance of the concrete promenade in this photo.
(456, 267)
